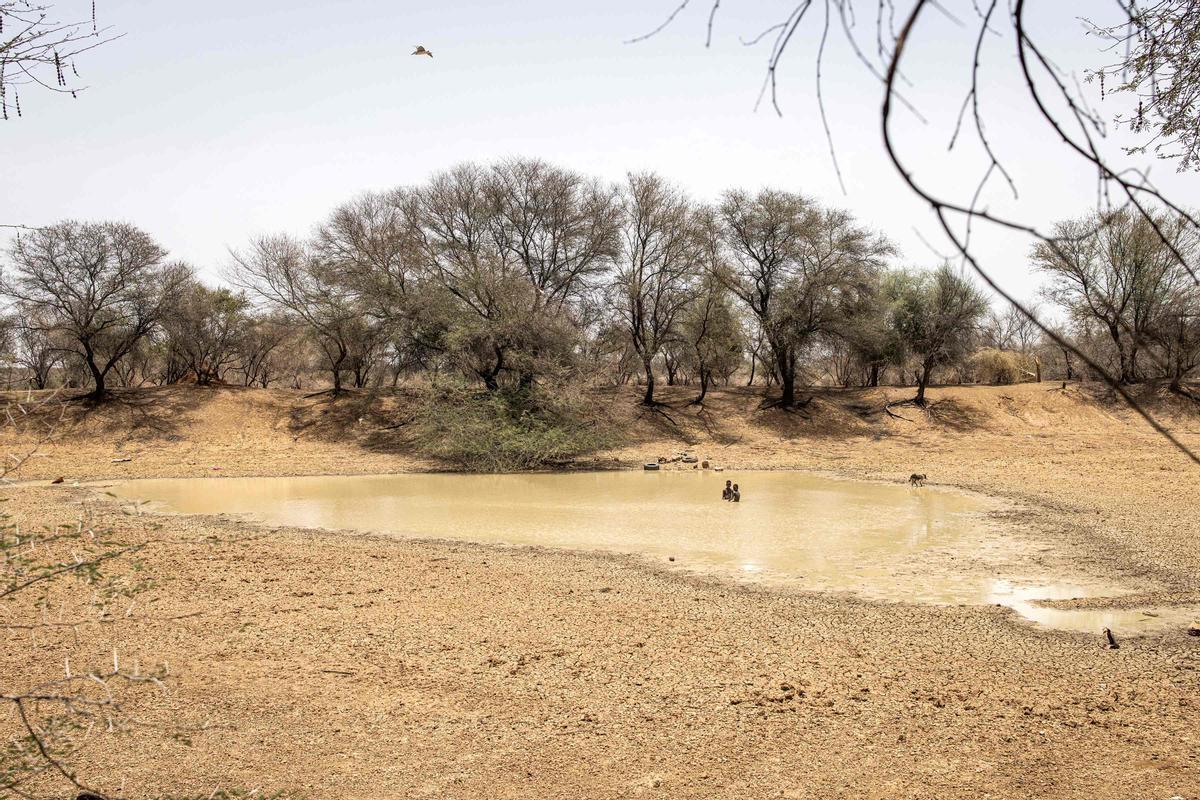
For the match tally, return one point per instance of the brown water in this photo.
(882, 541)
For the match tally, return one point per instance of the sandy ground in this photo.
(349, 666)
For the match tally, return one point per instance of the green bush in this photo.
(506, 430)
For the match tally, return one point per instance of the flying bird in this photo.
(421, 51)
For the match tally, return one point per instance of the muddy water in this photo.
(889, 542)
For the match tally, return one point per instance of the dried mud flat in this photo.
(350, 666)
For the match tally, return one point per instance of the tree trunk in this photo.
(1126, 374)
(704, 379)
(491, 379)
(873, 381)
(97, 376)
(922, 382)
(787, 376)
(648, 397)
(753, 362)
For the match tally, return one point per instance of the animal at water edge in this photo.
(421, 51)
(917, 480)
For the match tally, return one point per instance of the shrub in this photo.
(1000, 366)
(505, 430)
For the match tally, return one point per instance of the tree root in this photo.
(1184, 392)
(912, 401)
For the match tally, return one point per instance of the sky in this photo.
(208, 124)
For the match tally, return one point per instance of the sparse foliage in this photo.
(935, 316)
(1159, 47)
(37, 48)
(94, 289)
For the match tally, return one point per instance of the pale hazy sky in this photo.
(210, 123)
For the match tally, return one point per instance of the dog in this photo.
(916, 480)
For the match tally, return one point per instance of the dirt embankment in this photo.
(358, 667)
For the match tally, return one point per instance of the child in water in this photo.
(727, 493)
(735, 495)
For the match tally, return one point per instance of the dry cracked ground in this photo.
(335, 665)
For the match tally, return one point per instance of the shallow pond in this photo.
(883, 541)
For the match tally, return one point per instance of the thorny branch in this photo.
(892, 45)
(38, 49)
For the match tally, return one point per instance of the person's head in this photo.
(735, 487)
(728, 482)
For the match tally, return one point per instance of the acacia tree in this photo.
(96, 289)
(1160, 68)
(289, 274)
(258, 349)
(866, 342)
(1009, 329)
(936, 317)
(1178, 334)
(204, 329)
(507, 258)
(660, 256)
(798, 268)
(35, 350)
(712, 333)
(476, 295)
(559, 227)
(366, 242)
(763, 236)
(1120, 270)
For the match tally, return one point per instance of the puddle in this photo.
(882, 541)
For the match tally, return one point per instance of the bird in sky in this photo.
(421, 51)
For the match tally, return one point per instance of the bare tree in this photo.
(1009, 329)
(1119, 269)
(98, 288)
(36, 351)
(258, 348)
(291, 275)
(204, 328)
(1178, 333)
(796, 266)
(1050, 90)
(659, 262)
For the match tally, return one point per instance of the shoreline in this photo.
(995, 514)
(358, 665)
